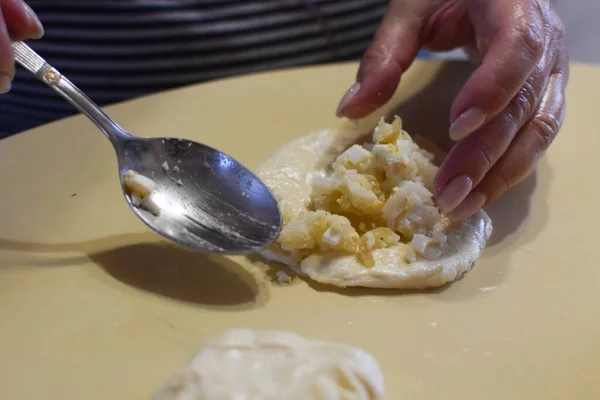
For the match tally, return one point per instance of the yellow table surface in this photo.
(94, 306)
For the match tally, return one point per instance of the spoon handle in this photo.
(31, 61)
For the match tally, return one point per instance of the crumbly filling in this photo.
(377, 195)
(139, 188)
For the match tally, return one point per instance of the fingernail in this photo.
(468, 207)
(454, 193)
(5, 83)
(39, 32)
(466, 123)
(347, 97)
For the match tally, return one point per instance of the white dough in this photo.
(289, 173)
(244, 364)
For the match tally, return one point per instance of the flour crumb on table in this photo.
(282, 278)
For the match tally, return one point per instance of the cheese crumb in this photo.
(377, 195)
(136, 183)
(282, 277)
(149, 205)
(304, 235)
(139, 188)
(419, 243)
(136, 200)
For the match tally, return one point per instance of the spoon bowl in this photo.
(205, 199)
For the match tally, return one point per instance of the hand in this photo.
(509, 110)
(19, 19)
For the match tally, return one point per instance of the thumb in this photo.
(18, 19)
(21, 21)
(390, 54)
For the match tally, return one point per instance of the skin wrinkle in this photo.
(503, 91)
(525, 113)
(442, 37)
(549, 123)
(531, 43)
(502, 31)
(548, 33)
(515, 166)
(544, 125)
(528, 98)
(489, 149)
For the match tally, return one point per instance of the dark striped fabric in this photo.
(120, 49)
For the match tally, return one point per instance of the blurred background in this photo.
(581, 19)
(121, 49)
(583, 28)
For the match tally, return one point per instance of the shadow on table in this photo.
(181, 274)
(160, 268)
(427, 113)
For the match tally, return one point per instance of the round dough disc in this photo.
(289, 173)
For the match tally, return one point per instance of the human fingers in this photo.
(16, 18)
(21, 21)
(524, 152)
(510, 35)
(473, 157)
(390, 54)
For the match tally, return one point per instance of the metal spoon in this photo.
(206, 200)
